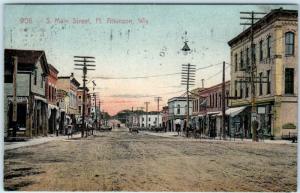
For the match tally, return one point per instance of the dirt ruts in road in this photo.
(122, 161)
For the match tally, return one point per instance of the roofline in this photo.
(273, 12)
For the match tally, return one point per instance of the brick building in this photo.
(51, 93)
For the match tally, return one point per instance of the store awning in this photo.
(50, 106)
(213, 113)
(234, 111)
(40, 98)
(177, 121)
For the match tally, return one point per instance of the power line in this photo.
(151, 76)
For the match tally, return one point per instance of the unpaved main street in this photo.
(123, 161)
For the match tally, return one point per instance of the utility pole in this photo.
(253, 70)
(147, 103)
(223, 102)
(84, 63)
(188, 79)
(157, 99)
(202, 80)
(99, 114)
(15, 104)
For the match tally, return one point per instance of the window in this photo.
(8, 75)
(254, 53)
(261, 53)
(79, 97)
(216, 95)
(42, 81)
(247, 90)
(269, 47)
(260, 83)
(241, 60)
(289, 81)
(213, 100)
(241, 90)
(268, 82)
(289, 43)
(35, 77)
(247, 57)
(235, 88)
(50, 93)
(227, 97)
(220, 99)
(210, 101)
(79, 109)
(178, 109)
(235, 62)
(149, 118)
(142, 118)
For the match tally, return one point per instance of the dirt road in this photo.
(122, 161)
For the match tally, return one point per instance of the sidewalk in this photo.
(35, 141)
(236, 140)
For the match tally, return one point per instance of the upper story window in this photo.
(268, 82)
(241, 60)
(42, 81)
(260, 83)
(247, 57)
(269, 47)
(241, 90)
(289, 81)
(289, 43)
(261, 53)
(35, 77)
(235, 62)
(254, 53)
(216, 95)
(178, 109)
(235, 88)
(247, 90)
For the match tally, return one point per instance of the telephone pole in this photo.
(188, 79)
(223, 103)
(147, 103)
(253, 69)
(157, 99)
(84, 62)
(15, 104)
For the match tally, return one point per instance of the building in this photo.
(207, 109)
(165, 117)
(177, 112)
(32, 108)
(54, 114)
(67, 95)
(276, 60)
(80, 101)
(154, 119)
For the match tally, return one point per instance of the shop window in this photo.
(289, 81)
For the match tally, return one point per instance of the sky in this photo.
(137, 58)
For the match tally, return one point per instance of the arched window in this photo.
(289, 43)
(178, 109)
